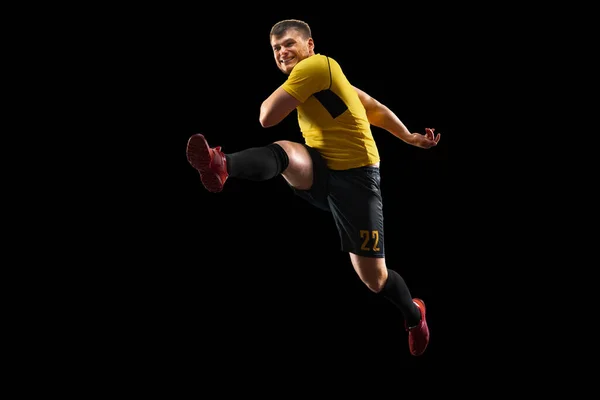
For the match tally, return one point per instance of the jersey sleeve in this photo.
(309, 76)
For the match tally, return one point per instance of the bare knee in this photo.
(376, 284)
(291, 148)
(285, 144)
(299, 172)
(371, 271)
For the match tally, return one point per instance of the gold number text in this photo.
(365, 235)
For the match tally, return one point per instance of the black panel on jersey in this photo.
(332, 102)
(334, 105)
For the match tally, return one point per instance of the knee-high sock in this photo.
(257, 163)
(396, 291)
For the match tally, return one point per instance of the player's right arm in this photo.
(276, 107)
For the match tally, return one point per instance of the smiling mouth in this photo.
(284, 62)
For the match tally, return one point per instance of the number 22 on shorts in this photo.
(366, 236)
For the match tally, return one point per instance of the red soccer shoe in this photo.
(418, 336)
(210, 163)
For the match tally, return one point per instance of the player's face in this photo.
(290, 48)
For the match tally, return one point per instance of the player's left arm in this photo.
(381, 116)
(276, 107)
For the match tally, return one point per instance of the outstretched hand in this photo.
(427, 140)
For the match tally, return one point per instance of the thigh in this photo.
(356, 203)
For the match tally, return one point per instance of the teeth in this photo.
(286, 60)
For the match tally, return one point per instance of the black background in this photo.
(254, 274)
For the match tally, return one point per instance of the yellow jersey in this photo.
(331, 117)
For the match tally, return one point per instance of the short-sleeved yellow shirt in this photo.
(331, 117)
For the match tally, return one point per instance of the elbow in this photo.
(266, 120)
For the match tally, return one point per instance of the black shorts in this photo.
(353, 197)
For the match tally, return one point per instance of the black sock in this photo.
(257, 163)
(396, 291)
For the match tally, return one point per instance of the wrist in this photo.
(409, 137)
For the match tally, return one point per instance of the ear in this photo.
(311, 44)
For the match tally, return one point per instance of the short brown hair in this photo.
(283, 26)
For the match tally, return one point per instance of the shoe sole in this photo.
(198, 155)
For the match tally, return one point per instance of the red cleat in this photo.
(418, 336)
(210, 163)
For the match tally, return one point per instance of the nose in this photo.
(282, 53)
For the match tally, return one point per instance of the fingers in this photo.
(429, 133)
